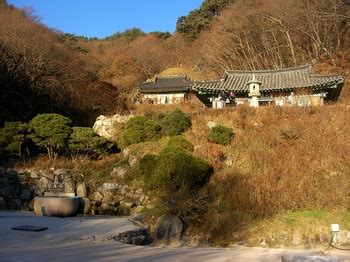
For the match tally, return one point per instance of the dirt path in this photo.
(88, 239)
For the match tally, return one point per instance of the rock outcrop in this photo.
(105, 126)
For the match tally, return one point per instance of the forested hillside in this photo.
(46, 71)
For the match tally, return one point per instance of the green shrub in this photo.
(12, 137)
(180, 141)
(50, 131)
(289, 133)
(173, 169)
(220, 135)
(175, 123)
(147, 166)
(139, 129)
(84, 140)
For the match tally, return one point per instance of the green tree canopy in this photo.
(199, 19)
(50, 131)
(12, 137)
(84, 140)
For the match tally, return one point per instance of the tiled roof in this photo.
(272, 80)
(166, 84)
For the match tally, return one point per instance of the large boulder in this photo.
(169, 229)
(105, 125)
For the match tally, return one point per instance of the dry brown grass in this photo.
(282, 159)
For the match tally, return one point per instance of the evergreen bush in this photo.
(220, 135)
(173, 169)
(180, 141)
(12, 138)
(139, 129)
(50, 131)
(175, 123)
(84, 140)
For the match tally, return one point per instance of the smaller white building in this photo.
(166, 90)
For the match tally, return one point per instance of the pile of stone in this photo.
(19, 187)
(116, 198)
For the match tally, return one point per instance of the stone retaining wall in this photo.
(19, 187)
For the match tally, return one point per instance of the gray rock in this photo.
(42, 184)
(301, 258)
(97, 196)
(263, 243)
(119, 172)
(61, 172)
(21, 171)
(124, 190)
(108, 195)
(137, 210)
(22, 178)
(211, 124)
(48, 175)
(105, 206)
(126, 152)
(133, 160)
(69, 185)
(34, 174)
(129, 204)
(81, 190)
(110, 186)
(26, 194)
(139, 237)
(105, 126)
(123, 210)
(79, 178)
(2, 170)
(139, 218)
(169, 229)
(11, 172)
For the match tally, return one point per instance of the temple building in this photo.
(296, 86)
(166, 90)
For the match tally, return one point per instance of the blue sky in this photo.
(102, 18)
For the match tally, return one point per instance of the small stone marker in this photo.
(55, 187)
(29, 228)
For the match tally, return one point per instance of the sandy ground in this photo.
(89, 239)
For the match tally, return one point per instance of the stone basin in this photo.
(56, 206)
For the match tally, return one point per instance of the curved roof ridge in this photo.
(329, 75)
(207, 82)
(172, 76)
(296, 68)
